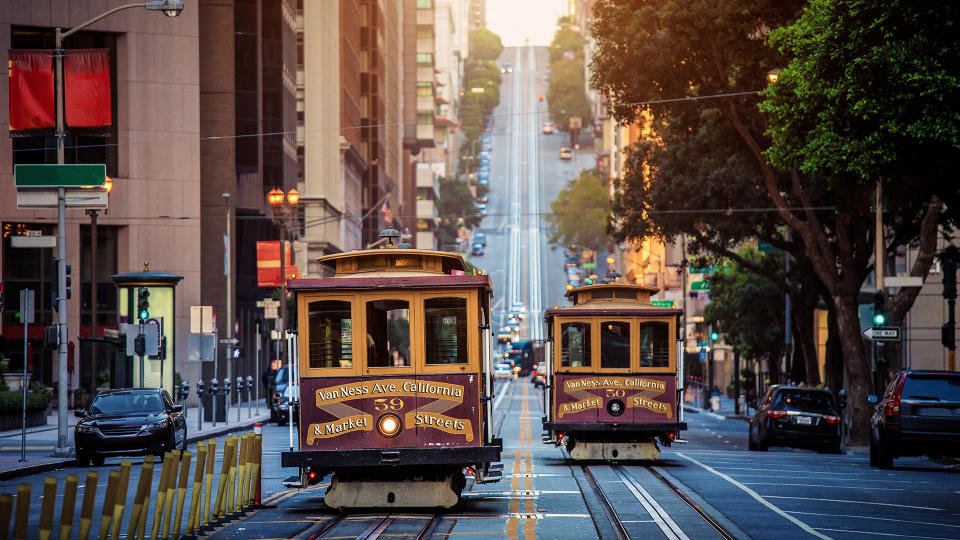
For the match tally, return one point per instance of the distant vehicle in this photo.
(504, 335)
(506, 68)
(283, 408)
(918, 414)
(480, 238)
(539, 375)
(566, 153)
(483, 173)
(548, 128)
(525, 354)
(477, 250)
(482, 208)
(513, 323)
(486, 137)
(502, 370)
(797, 416)
(483, 199)
(129, 421)
(483, 181)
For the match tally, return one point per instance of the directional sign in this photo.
(57, 176)
(703, 285)
(663, 303)
(229, 341)
(882, 333)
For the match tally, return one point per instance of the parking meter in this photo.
(239, 383)
(214, 386)
(226, 386)
(184, 390)
(843, 398)
(249, 383)
(200, 388)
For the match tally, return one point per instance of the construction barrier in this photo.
(237, 491)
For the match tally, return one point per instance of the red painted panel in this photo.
(585, 398)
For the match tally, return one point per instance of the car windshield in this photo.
(127, 402)
(502, 366)
(805, 401)
(940, 386)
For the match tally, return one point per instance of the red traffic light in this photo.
(541, 97)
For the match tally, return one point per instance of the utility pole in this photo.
(227, 266)
(878, 259)
(950, 294)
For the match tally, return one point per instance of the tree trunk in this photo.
(858, 369)
(808, 366)
(833, 367)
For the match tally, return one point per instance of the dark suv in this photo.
(918, 415)
(129, 422)
(796, 416)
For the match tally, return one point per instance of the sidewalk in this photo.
(41, 440)
(725, 412)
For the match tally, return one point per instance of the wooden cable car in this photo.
(615, 374)
(395, 378)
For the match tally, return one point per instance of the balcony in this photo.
(426, 209)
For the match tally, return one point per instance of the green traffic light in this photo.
(879, 319)
(144, 315)
(714, 336)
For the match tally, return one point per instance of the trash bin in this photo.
(715, 402)
(741, 402)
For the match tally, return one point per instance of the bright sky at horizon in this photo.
(518, 20)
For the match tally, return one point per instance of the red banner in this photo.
(268, 264)
(87, 88)
(31, 90)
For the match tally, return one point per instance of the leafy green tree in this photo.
(569, 42)
(579, 213)
(484, 44)
(455, 208)
(566, 93)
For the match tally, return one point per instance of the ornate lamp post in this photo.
(284, 207)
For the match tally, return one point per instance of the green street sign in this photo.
(58, 176)
(765, 247)
(703, 285)
(704, 270)
(589, 265)
(664, 303)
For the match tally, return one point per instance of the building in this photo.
(152, 156)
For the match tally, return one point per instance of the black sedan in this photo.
(129, 422)
(919, 414)
(796, 416)
(281, 408)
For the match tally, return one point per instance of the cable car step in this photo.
(293, 482)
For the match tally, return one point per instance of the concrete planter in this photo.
(14, 380)
(12, 421)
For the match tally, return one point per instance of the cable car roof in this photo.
(605, 298)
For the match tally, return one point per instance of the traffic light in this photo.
(54, 282)
(143, 303)
(949, 279)
(67, 271)
(878, 315)
(541, 97)
(714, 336)
(140, 345)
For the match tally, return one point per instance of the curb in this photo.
(690, 409)
(26, 470)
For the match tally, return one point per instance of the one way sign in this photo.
(882, 333)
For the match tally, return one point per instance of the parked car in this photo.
(566, 153)
(483, 181)
(129, 421)
(506, 68)
(504, 335)
(280, 381)
(476, 250)
(796, 416)
(483, 199)
(281, 408)
(481, 208)
(483, 174)
(480, 238)
(513, 322)
(918, 415)
(548, 128)
(502, 370)
(539, 376)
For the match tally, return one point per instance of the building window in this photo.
(425, 58)
(424, 4)
(106, 267)
(424, 32)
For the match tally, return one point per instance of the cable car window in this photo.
(597, 295)
(446, 330)
(331, 334)
(625, 294)
(654, 344)
(388, 333)
(575, 344)
(614, 344)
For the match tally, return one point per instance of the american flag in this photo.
(387, 214)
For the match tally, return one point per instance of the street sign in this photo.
(703, 285)
(201, 319)
(664, 303)
(271, 312)
(589, 265)
(882, 333)
(33, 241)
(151, 334)
(26, 306)
(229, 341)
(703, 355)
(94, 197)
(75, 175)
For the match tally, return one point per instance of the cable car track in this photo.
(375, 526)
(667, 525)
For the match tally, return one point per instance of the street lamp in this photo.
(170, 8)
(276, 197)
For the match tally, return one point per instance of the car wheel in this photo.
(884, 456)
(183, 439)
(97, 461)
(83, 460)
(761, 443)
(751, 444)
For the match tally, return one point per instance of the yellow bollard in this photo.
(146, 474)
(244, 474)
(181, 492)
(165, 473)
(222, 484)
(106, 517)
(171, 493)
(45, 527)
(120, 498)
(193, 516)
(22, 516)
(231, 478)
(6, 512)
(238, 488)
(255, 475)
(208, 474)
(69, 506)
(145, 507)
(86, 510)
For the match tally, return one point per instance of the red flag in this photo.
(268, 264)
(87, 88)
(31, 91)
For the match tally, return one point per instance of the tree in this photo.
(484, 45)
(749, 308)
(579, 213)
(567, 41)
(455, 208)
(566, 95)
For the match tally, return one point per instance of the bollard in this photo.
(250, 460)
(22, 516)
(222, 484)
(86, 510)
(45, 527)
(195, 498)
(146, 475)
(226, 400)
(257, 452)
(244, 500)
(145, 507)
(181, 492)
(232, 477)
(106, 517)
(6, 512)
(69, 506)
(208, 474)
(241, 468)
(120, 498)
(168, 501)
(168, 465)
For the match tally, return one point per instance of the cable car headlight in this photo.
(615, 407)
(389, 425)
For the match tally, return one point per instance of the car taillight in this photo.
(776, 414)
(892, 408)
(832, 419)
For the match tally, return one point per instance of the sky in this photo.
(517, 20)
